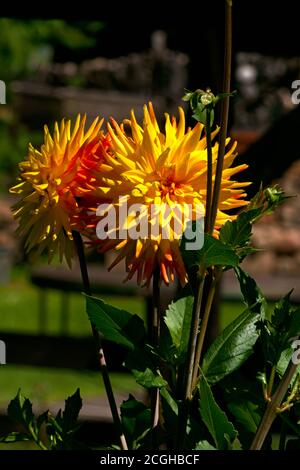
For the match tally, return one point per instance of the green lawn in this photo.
(19, 308)
(19, 312)
(44, 385)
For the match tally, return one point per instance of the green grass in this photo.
(43, 385)
(19, 308)
(19, 312)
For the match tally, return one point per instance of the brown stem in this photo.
(155, 335)
(188, 375)
(102, 362)
(272, 407)
(224, 111)
(193, 340)
(207, 224)
(204, 323)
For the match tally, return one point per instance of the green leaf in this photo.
(20, 410)
(142, 363)
(116, 324)
(199, 114)
(169, 408)
(231, 348)
(246, 413)
(213, 253)
(281, 311)
(149, 379)
(73, 405)
(173, 405)
(235, 445)
(278, 333)
(178, 320)
(237, 233)
(136, 420)
(214, 418)
(43, 418)
(252, 294)
(204, 445)
(15, 437)
(284, 360)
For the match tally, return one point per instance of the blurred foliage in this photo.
(14, 140)
(26, 45)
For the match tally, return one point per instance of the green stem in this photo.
(155, 335)
(204, 323)
(188, 372)
(224, 112)
(271, 381)
(193, 339)
(209, 173)
(272, 407)
(102, 362)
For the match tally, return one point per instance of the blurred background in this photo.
(107, 64)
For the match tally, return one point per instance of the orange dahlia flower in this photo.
(164, 169)
(51, 181)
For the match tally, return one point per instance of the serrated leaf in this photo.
(231, 348)
(116, 324)
(148, 379)
(136, 420)
(204, 445)
(20, 410)
(42, 419)
(278, 333)
(281, 311)
(237, 233)
(73, 405)
(214, 418)
(213, 253)
(252, 294)
(178, 320)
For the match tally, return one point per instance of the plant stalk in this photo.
(188, 373)
(204, 323)
(271, 381)
(155, 335)
(224, 112)
(272, 407)
(102, 362)
(193, 340)
(207, 223)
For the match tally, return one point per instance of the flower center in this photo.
(168, 186)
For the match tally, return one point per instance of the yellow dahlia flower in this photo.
(165, 169)
(51, 179)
